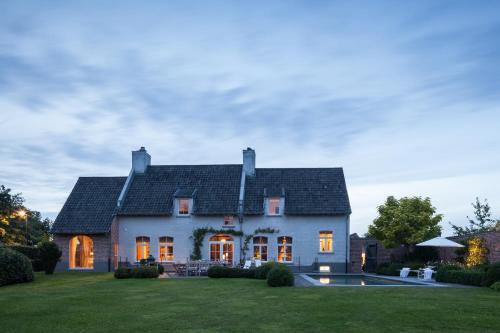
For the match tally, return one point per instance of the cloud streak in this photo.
(404, 97)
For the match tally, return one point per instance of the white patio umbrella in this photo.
(440, 242)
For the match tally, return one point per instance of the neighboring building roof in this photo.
(307, 191)
(90, 207)
(214, 189)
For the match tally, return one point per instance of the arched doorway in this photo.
(81, 252)
(221, 248)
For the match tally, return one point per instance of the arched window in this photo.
(141, 248)
(81, 252)
(285, 249)
(260, 248)
(166, 248)
(325, 241)
(221, 248)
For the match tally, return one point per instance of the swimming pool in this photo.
(356, 280)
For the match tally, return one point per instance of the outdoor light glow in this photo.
(324, 268)
(324, 280)
(21, 213)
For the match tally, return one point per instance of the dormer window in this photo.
(273, 206)
(183, 207)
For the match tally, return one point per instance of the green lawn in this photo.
(92, 302)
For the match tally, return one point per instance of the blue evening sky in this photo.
(404, 95)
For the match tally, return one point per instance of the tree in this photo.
(406, 221)
(49, 255)
(13, 224)
(482, 223)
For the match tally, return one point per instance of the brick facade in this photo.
(101, 247)
(359, 247)
(491, 240)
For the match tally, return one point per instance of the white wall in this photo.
(304, 230)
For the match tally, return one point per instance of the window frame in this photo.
(263, 243)
(179, 205)
(169, 242)
(327, 236)
(287, 247)
(268, 208)
(143, 243)
(228, 218)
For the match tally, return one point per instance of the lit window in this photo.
(141, 248)
(183, 206)
(260, 248)
(228, 220)
(325, 241)
(273, 206)
(285, 249)
(81, 252)
(166, 248)
(221, 248)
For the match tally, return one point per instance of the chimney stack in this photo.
(249, 161)
(140, 160)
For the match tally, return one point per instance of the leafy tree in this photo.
(406, 221)
(49, 255)
(482, 222)
(13, 224)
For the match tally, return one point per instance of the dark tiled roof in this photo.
(90, 207)
(214, 188)
(307, 191)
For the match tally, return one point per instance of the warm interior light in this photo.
(324, 268)
(324, 280)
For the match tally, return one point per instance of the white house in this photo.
(227, 212)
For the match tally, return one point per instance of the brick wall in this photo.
(491, 240)
(102, 251)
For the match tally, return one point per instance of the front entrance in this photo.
(222, 248)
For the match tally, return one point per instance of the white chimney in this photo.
(249, 162)
(140, 160)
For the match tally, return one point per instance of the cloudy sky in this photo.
(405, 96)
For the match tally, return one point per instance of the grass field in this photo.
(93, 302)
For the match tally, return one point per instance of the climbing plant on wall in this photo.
(200, 233)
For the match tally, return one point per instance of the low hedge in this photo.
(15, 267)
(230, 272)
(462, 276)
(31, 252)
(141, 272)
(496, 286)
(280, 276)
(391, 269)
(492, 274)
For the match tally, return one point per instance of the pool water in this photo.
(358, 280)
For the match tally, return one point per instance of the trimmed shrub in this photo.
(15, 267)
(262, 271)
(280, 276)
(37, 265)
(161, 269)
(462, 276)
(218, 272)
(145, 272)
(492, 274)
(496, 286)
(29, 251)
(49, 255)
(123, 273)
(391, 269)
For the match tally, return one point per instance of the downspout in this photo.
(241, 206)
(348, 245)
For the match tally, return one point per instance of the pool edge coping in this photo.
(316, 283)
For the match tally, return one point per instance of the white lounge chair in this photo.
(428, 274)
(404, 272)
(258, 262)
(248, 264)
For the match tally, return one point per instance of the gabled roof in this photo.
(90, 207)
(307, 191)
(214, 189)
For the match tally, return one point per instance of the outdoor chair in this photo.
(404, 272)
(248, 264)
(258, 262)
